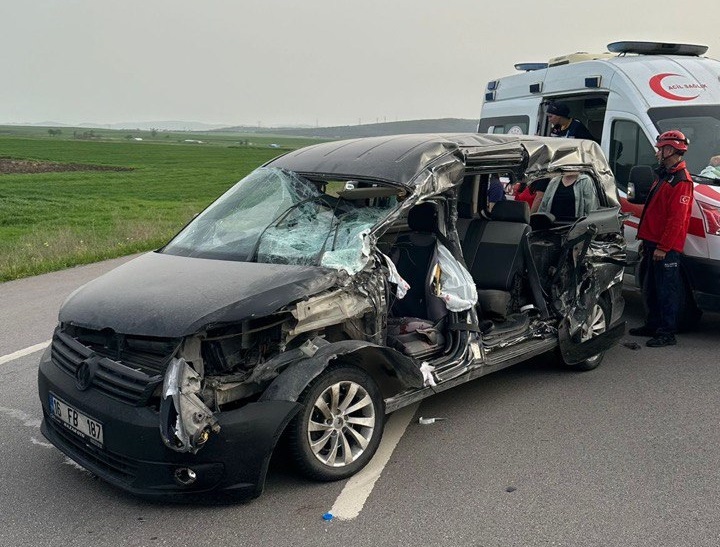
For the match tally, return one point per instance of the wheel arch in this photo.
(391, 370)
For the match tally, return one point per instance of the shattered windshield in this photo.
(278, 217)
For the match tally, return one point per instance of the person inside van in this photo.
(563, 125)
(531, 192)
(496, 191)
(712, 171)
(569, 196)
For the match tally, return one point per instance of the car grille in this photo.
(119, 467)
(122, 381)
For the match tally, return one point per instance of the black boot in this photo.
(661, 340)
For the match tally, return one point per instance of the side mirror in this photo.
(641, 180)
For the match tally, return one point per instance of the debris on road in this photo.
(428, 421)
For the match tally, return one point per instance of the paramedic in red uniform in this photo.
(663, 228)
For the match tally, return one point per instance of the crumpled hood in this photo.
(172, 296)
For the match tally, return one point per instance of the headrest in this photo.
(511, 211)
(642, 174)
(423, 218)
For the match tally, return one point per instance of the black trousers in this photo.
(661, 289)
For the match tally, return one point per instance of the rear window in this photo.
(505, 125)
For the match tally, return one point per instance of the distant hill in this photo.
(159, 125)
(443, 125)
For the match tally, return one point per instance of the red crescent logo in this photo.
(656, 86)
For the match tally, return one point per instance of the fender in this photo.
(290, 384)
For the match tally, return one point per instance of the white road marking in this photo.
(76, 465)
(23, 352)
(19, 415)
(358, 488)
(40, 443)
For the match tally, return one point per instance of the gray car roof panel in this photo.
(395, 158)
(399, 158)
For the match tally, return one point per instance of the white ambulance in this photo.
(626, 98)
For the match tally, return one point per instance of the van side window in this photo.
(628, 147)
(505, 125)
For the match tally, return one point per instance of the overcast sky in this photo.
(324, 62)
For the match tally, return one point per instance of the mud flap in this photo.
(574, 352)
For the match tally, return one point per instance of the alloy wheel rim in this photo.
(594, 326)
(341, 424)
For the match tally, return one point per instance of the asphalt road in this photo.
(626, 455)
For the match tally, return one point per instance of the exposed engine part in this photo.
(327, 309)
(244, 348)
(185, 422)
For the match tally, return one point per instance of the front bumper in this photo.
(231, 466)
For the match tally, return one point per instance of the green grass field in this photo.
(50, 221)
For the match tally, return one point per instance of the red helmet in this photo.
(673, 138)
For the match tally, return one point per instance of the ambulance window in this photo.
(700, 124)
(628, 147)
(505, 125)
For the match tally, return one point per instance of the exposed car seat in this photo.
(413, 255)
(415, 325)
(495, 255)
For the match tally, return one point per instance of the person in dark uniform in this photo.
(563, 125)
(496, 191)
(663, 229)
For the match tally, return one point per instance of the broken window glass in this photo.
(276, 216)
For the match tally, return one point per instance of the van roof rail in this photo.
(529, 67)
(657, 48)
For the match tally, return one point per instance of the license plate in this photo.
(76, 421)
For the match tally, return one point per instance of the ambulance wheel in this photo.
(689, 314)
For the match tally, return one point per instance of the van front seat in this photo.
(495, 256)
(414, 257)
(415, 325)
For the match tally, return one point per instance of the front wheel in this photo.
(339, 427)
(596, 324)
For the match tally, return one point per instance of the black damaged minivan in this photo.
(325, 290)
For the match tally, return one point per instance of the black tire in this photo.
(328, 443)
(597, 323)
(689, 314)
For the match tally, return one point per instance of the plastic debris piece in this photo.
(427, 370)
(327, 516)
(510, 489)
(428, 421)
(631, 345)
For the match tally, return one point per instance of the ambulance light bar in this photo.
(657, 48)
(529, 67)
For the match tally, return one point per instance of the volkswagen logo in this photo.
(85, 372)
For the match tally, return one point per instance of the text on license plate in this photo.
(76, 421)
